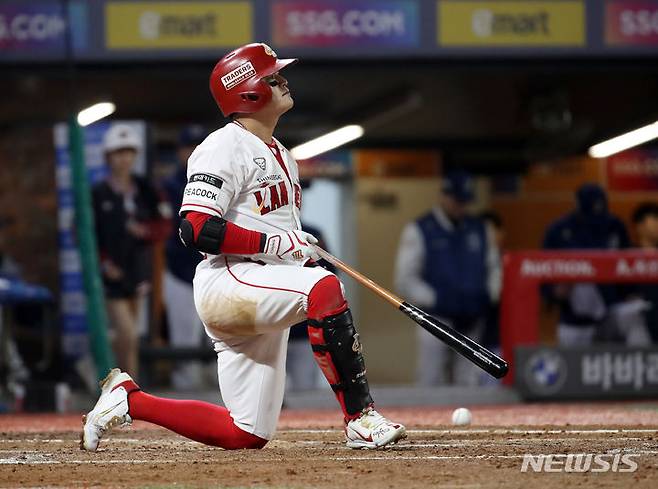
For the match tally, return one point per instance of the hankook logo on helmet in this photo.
(238, 75)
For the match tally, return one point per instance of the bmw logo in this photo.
(545, 372)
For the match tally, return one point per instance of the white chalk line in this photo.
(411, 432)
(278, 443)
(406, 446)
(470, 457)
(41, 459)
(312, 444)
(496, 431)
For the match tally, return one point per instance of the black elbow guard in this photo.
(210, 238)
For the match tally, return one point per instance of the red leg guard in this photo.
(196, 420)
(326, 299)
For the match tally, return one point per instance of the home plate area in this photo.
(547, 446)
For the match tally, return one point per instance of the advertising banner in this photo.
(632, 170)
(586, 373)
(525, 271)
(324, 23)
(562, 176)
(631, 22)
(38, 29)
(397, 163)
(334, 164)
(177, 25)
(512, 23)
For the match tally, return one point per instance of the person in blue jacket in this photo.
(185, 327)
(585, 306)
(446, 263)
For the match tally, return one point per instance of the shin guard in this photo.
(338, 352)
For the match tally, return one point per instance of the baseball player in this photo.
(241, 209)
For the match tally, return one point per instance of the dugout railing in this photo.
(525, 271)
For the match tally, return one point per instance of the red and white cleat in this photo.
(372, 430)
(110, 411)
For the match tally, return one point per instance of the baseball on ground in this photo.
(461, 417)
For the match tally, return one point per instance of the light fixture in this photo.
(95, 113)
(327, 142)
(625, 141)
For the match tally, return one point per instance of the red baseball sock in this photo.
(196, 420)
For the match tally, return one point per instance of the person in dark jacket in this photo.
(445, 265)
(185, 327)
(129, 216)
(585, 306)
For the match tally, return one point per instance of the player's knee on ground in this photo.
(240, 439)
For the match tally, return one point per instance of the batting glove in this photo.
(291, 247)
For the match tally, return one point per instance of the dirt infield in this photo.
(42, 451)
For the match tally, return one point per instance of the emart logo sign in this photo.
(486, 23)
(580, 463)
(511, 23)
(170, 25)
(153, 25)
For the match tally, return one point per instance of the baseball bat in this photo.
(462, 344)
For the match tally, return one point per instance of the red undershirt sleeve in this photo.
(237, 240)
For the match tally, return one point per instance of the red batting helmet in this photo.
(236, 82)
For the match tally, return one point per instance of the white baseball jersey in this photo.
(247, 307)
(233, 174)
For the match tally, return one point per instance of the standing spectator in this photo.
(645, 221)
(444, 263)
(185, 327)
(129, 216)
(584, 306)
